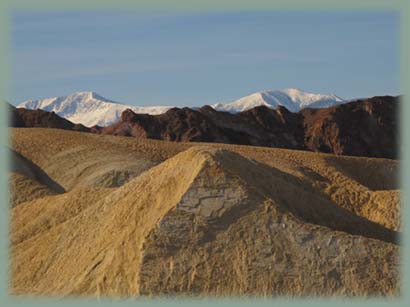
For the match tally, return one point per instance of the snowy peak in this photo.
(88, 108)
(292, 99)
(305, 99)
(89, 97)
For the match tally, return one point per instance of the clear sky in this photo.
(197, 58)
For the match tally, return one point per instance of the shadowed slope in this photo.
(81, 165)
(22, 188)
(22, 165)
(27, 181)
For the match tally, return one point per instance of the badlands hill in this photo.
(130, 217)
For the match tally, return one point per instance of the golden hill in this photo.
(144, 217)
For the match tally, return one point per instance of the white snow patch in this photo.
(292, 99)
(88, 108)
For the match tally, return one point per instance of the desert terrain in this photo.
(103, 215)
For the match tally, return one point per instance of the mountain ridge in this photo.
(366, 127)
(87, 108)
(90, 109)
(26, 118)
(293, 99)
(358, 128)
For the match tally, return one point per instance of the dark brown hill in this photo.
(361, 128)
(25, 118)
(182, 125)
(366, 127)
(260, 126)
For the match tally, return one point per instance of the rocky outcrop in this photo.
(367, 127)
(25, 118)
(260, 126)
(360, 128)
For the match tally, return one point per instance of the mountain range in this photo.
(88, 108)
(292, 99)
(91, 109)
(365, 127)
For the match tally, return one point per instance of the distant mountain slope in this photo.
(25, 118)
(87, 108)
(360, 128)
(292, 99)
(260, 126)
(367, 127)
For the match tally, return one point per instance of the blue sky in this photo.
(196, 58)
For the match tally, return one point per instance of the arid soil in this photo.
(117, 216)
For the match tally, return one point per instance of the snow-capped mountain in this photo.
(88, 108)
(292, 99)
